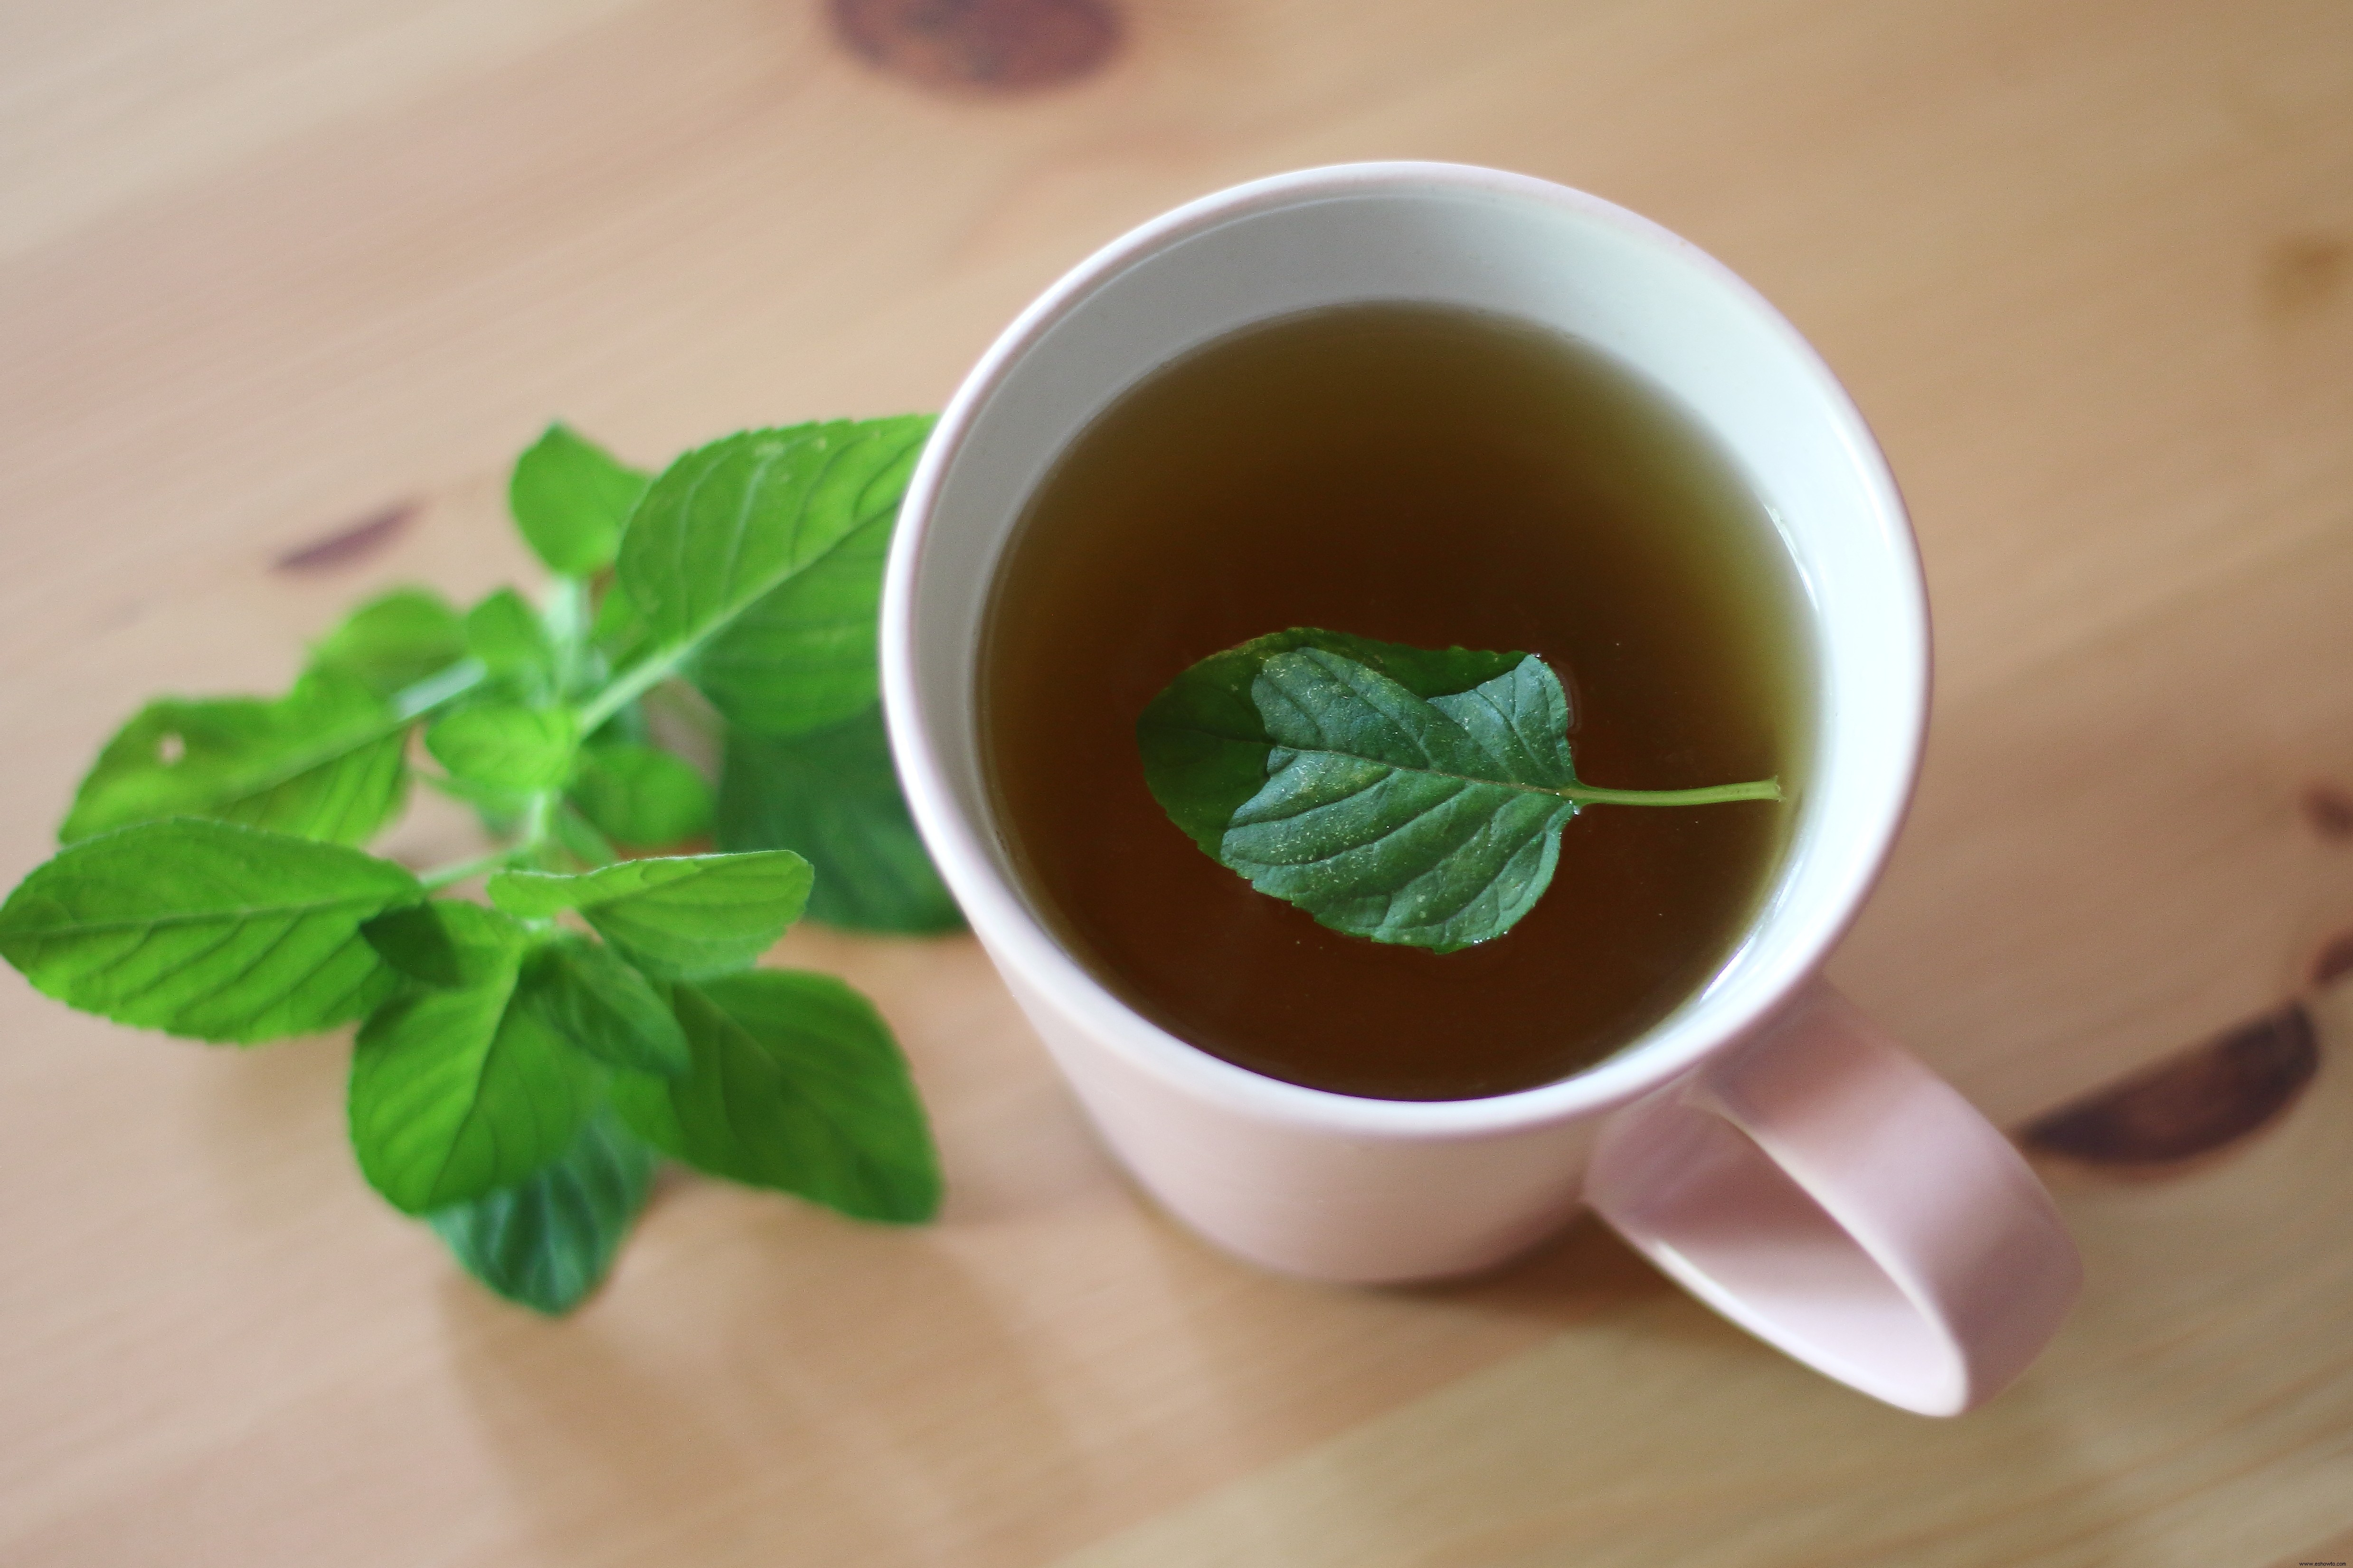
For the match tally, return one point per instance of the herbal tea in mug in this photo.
(1427, 477)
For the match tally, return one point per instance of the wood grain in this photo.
(273, 269)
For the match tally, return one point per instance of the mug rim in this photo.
(1016, 939)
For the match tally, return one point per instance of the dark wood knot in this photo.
(988, 45)
(352, 542)
(2331, 963)
(2302, 271)
(2191, 1104)
(2327, 809)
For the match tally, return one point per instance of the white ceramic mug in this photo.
(1763, 1143)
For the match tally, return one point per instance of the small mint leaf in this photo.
(640, 796)
(796, 1085)
(457, 1093)
(676, 916)
(549, 1240)
(326, 761)
(570, 497)
(761, 556)
(446, 942)
(394, 641)
(506, 633)
(206, 930)
(584, 993)
(619, 631)
(832, 796)
(506, 748)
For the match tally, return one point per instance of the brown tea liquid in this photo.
(1421, 474)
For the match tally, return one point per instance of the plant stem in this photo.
(442, 877)
(631, 684)
(537, 814)
(1763, 789)
(566, 614)
(429, 693)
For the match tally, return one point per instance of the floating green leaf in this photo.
(760, 556)
(681, 915)
(833, 796)
(206, 930)
(506, 748)
(394, 641)
(458, 1092)
(1435, 823)
(587, 994)
(642, 796)
(1431, 822)
(570, 497)
(796, 1085)
(323, 762)
(549, 1240)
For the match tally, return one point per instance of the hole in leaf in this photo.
(170, 747)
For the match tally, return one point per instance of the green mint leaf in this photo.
(679, 916)
(206, 930)
(570, 497)
(577, 836)
(1434, 823)
(499, 811)
(1205, 745)
(640, 796)
(583, 992)
(761, 557)
(796, 1085)
(446, 942)
(549, 1240)
(618, 630)
(506, 633)
(393, 642)
(1431, 822)
(326, 761)
(458, 1092)
(833, 796)
(506, 748)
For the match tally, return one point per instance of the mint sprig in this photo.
(1407, 796)
(519, 1064)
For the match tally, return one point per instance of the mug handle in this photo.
(1822, 1189)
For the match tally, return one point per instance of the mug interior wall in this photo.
(1598, 274)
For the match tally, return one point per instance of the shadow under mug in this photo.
(1764, 1144)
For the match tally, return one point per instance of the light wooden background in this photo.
(268, 268)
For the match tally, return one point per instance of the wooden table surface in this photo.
(270, 270)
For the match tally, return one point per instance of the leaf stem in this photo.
(537, 814)
(414, 701)
(1763, 789)
(566, 615)
(631, 684)
(457, 871)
